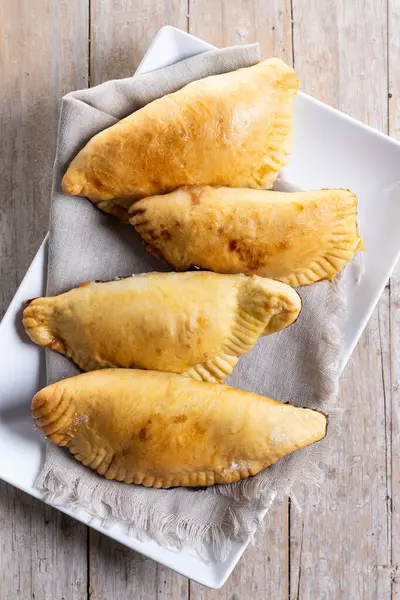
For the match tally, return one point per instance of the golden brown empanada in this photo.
(232, 129)
(193, 323)
(163, 430)
(298, 238)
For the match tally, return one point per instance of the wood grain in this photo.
(393, 394)
(393, 436)
(263, 571)
(394, 68)
(120, 573)
(230, 22)
(121, 32)
(42, 552)
(38, 65)
(340, 548)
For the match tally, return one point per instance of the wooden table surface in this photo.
(346, 53)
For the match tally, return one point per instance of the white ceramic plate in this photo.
(330, 150)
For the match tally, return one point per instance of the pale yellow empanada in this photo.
(298, 238)
(232, 129)
(163, 430)
(193, 323)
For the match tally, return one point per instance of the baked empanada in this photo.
(298, 238)
(196, 323)
(232, 129)
(162, 430)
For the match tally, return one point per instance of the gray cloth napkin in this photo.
(299, 365)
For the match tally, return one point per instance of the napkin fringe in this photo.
(209, 540)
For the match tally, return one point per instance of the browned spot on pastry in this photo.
(232, 245)
(84, 283)
(165, 235)
(180, 419)
(251, 257)
(198, 429)
(196, 193)
(144, 434)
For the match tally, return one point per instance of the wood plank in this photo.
(263, 570)
(394, 301)
(121, 32)
(394, 432)
(39, 63)
(341, 55)
(117, 572)
(231, 22)
(42, 552)
(394, 68)
(340, 548)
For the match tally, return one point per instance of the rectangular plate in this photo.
(329, 150)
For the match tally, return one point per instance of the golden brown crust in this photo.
(231, 129)
(297, 238)
(195, 323)
(163, 430)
